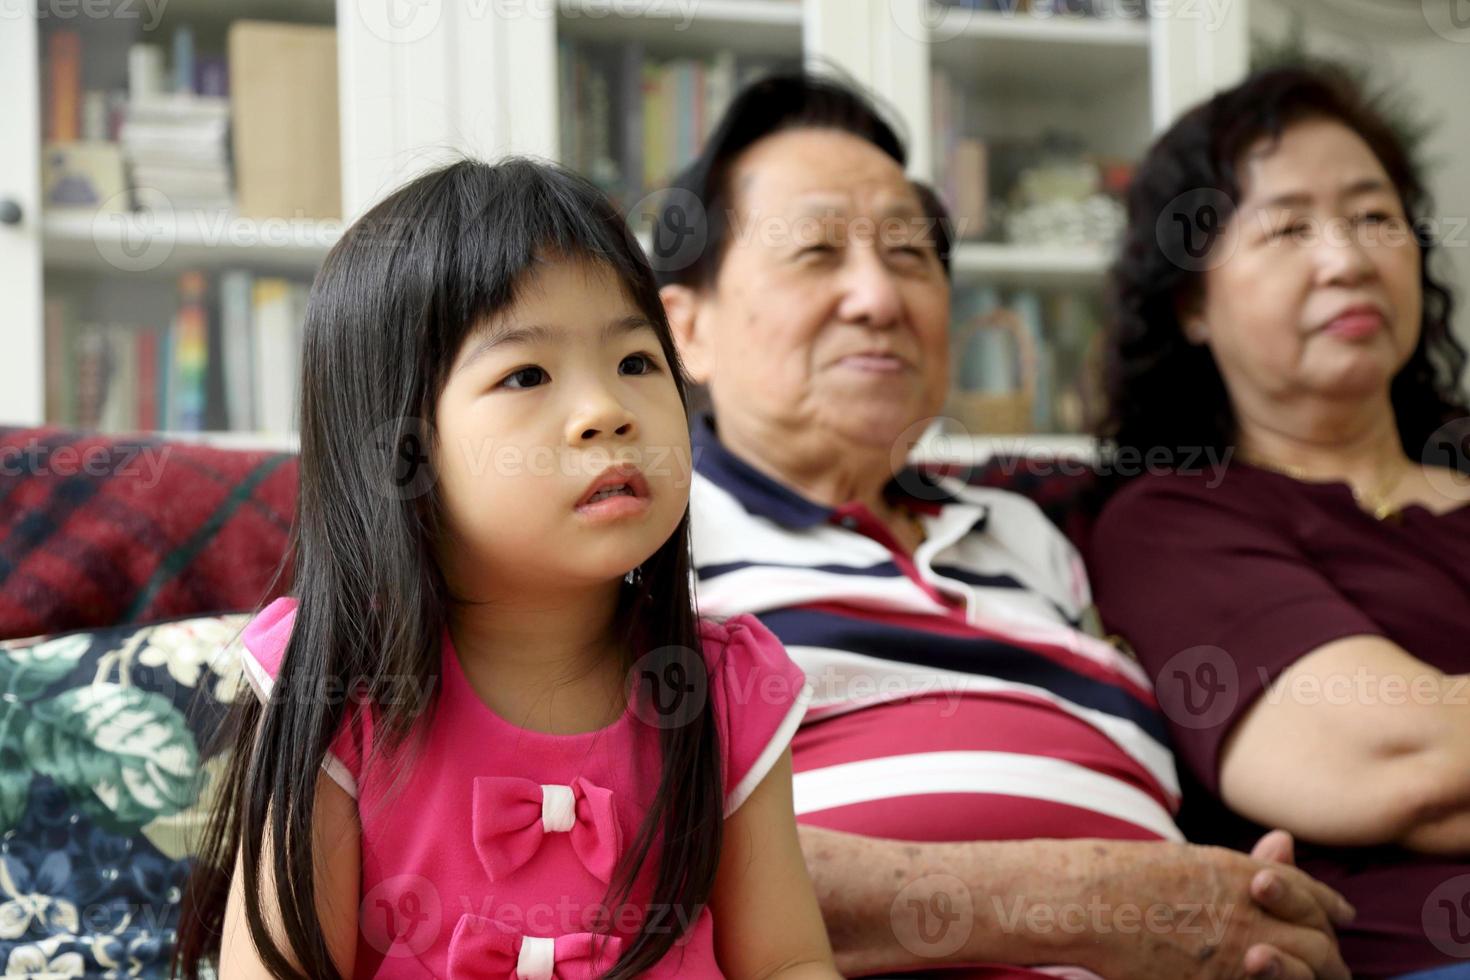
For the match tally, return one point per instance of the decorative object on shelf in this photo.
(83, 174)
(995, 386)
(1059, 200)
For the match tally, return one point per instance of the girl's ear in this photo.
(682, 305)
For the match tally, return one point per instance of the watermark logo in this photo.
(933, 916)
(400, 21)
(674, 224)
(668, 687)
(1446, 457)
(1446, 917)
(1199, 687)
(1450, 19)
(401, 916)
(396, 458)
(135, 241)
(1190, 226)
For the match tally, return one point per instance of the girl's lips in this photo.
(613, 508)
(876, 363)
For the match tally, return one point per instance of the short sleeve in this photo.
(1178, 566)
(262, 648)
(759, 696)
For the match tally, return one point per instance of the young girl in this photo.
(496, 738)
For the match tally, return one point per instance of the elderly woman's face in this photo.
(1320, 294)
(830, 314)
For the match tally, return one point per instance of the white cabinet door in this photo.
(21, 362)
(424, 81)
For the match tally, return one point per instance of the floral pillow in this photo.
(103, 790)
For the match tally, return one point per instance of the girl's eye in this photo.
(816, 250)
(649, 366)
(1375, 217)
(520, 377)
(909, 252)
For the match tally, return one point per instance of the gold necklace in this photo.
(1374, 501)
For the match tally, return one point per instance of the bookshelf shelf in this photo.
(1035, 265)
(127, 244)
(1040, 56)
(769, 28)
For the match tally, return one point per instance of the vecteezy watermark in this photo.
(933, 916)
(935, 23)
(668, 688)
(1097, 917)
(149, 11)
(1365, 687)
(1198, 687)
(674, 224)
(133, 461)
(143, 239)
(135, 241)
(1446, 917)
(400, 21)
(1450, 19)
(401, 916)
(381, 690)
(397, 458)
(1447, 458)
(407, 21)
(1190, 228)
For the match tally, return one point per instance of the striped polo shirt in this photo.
(956, 695)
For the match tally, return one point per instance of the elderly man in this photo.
(981, 784)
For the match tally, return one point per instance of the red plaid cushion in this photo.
(99, 530)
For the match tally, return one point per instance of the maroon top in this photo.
(1269, 568)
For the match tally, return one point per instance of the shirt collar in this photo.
(770, 498)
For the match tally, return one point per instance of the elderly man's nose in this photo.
(600, 416)
(871, 296)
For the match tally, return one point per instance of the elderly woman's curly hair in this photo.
(1161, 390)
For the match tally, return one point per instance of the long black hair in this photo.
(389, 310)
(1163, 391)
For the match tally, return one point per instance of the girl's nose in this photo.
(602, 416)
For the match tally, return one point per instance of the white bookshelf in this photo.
(125, 243)
(1030, 265)
(753, 27)
(457, 78)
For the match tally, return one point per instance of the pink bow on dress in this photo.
(512, 817)
(486, 948)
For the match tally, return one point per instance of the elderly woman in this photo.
(981, 784)
(1306, 615)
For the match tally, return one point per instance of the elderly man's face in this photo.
(830, 313)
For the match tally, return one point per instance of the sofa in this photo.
(128, 568)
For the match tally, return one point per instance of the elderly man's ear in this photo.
(682, 306)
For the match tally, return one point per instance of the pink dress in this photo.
(489, 855)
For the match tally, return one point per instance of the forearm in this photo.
(1448, 836)
(892, 905)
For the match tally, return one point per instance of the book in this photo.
(276, 355)
(64, 88)
(191, 355)
(237, 349)
(287, 155)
